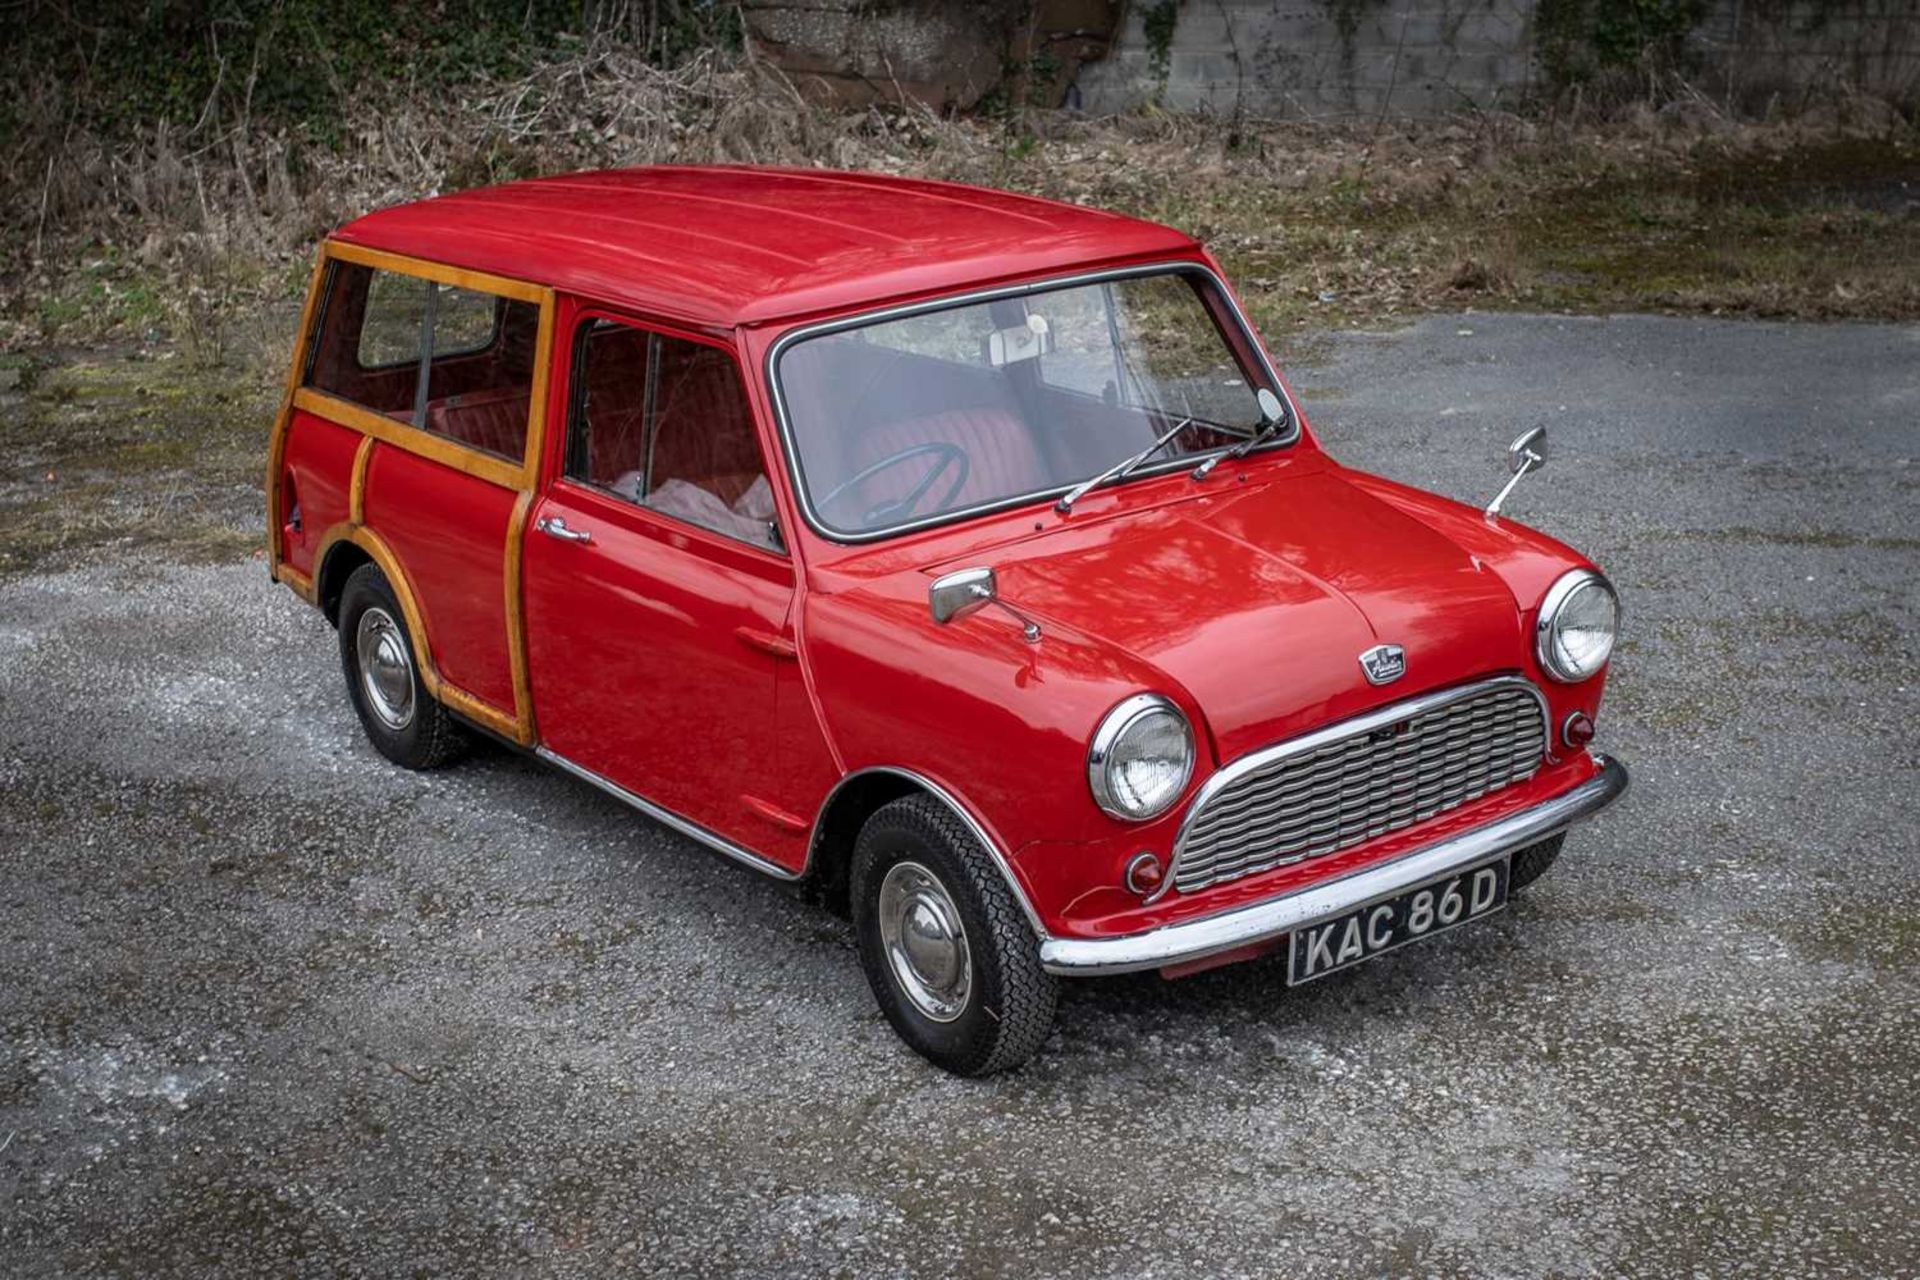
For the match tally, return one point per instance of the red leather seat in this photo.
(849, 390)
(494, 420)
(703, 430)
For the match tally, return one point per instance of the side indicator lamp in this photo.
(1144, 874)
(1577, 731)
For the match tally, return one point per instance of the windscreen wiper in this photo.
(1119, 470)
(1273, 416)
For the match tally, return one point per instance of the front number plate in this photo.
(1421, 912)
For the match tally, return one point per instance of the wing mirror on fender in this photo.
(966, 591)
(1528, 452)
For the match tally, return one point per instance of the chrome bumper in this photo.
(1276, 917)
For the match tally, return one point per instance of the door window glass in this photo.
(664, 423)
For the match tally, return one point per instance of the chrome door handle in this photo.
(555, 527)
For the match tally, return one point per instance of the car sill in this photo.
(691, 830)
(1245, 926)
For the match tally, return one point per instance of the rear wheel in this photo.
(402, 720)
(1532, 862)
(949, 956)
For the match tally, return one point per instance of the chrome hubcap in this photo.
(925, 942)
(386, 668)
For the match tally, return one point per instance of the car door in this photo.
(655, 589)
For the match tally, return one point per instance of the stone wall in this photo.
(1303, 57)
(1754, 50)
(945, 53)
(1422, 57)
(1312, 57)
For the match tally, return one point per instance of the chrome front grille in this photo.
(1352, 781)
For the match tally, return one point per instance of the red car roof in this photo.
(737, 244)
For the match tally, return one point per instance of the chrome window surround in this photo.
(1563, 587)
(1367, 722)
(804, 499)
(1112, 726)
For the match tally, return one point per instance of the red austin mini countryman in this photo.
(959, 552)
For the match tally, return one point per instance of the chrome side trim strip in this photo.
(1276, 917)
(691, 830)
(804, 499)
(945, 797)
(1366, 722)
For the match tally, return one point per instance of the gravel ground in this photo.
(273, 1007)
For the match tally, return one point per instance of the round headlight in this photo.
(1574, 635)
(1141, 758)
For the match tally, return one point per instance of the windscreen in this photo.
(906, 420)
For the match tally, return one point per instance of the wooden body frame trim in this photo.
(442, 690)
(521, 476)
(277, 444)
(357, 488)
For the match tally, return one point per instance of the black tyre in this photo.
(376, 653)
(1532, 862)
(949, 955)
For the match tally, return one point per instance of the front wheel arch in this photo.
(856, 798)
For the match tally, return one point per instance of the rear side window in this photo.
(390, 331)
(664, 423)
(452, 361)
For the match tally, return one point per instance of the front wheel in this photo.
(949, 955)
(1530, 863)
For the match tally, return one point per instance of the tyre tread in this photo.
(434, 738)
(1028, 993)
(1532, 862)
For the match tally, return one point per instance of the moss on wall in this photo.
(1579, 40)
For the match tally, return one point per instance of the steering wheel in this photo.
(948, 457)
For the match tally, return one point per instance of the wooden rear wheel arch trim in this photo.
(453, 697)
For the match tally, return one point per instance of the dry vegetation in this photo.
(185, 244)
(183, 229)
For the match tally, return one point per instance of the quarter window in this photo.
(454, 362)
(664, 423)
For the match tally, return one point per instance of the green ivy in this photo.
(1157, 23)
(1346, 15)
(132, 62)
(1577, 40)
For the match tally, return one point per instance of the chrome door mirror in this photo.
(1528, 452)
(1271, 410)
(964, 591)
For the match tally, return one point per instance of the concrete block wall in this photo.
(1423, 57)
(1292, 57)
(1757, 49)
